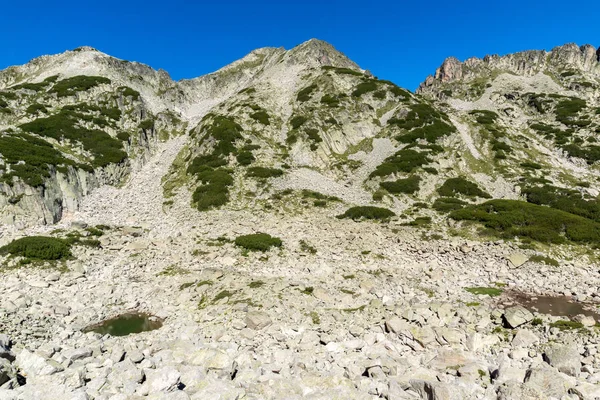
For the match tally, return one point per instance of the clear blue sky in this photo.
(403, 41)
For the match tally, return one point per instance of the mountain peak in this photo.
(317, 53)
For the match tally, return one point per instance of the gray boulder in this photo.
(565, 358)
(517, 316)
(257, 320)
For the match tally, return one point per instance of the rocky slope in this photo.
(484, 183)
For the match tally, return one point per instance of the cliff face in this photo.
(569, 57)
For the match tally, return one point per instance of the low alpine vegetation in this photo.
(368, 212)
(408, 185)
(38, 248)
(456, 186)
(264, 172)
(510, 218)
(258, 242)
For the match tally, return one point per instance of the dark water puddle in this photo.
(559, 306)
(126, 324)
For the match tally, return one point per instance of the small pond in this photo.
(559, 306)
(126, 324)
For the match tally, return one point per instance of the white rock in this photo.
(163, 379)
(257, 320)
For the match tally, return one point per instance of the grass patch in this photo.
(307, 248)
(368, 212)
(225, 294)
(544, 260)
(258, 242)
(173, 270)
(314, 316)
(565, 325)
(256, 284)
(488, 291)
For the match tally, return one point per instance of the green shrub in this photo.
(147, 124)
(30, 158)
(447, 204)
(35, 108)
(342, 71)
(364, 87)
(258, 242)
(36, 87)
(297, 121)
(129, 92)
(225, 131)
(215, 189)
(405, 160)
(367, 212)
(305, 94)
(408, 185)
(455, 186)
(431, 133)
(245, 158)
(419, 221)
(380, 94)
(484, 117)
(314, 137)
(81, 83)
(563, 199)
(568, 109)
(331, 101)
(264, 172)
(591, 153)
(38, 248)
(418, 115)
(261, 116)
(104, 148)
(510, 218)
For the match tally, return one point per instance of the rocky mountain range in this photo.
(301, 228)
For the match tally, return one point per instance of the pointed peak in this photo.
(317, 53)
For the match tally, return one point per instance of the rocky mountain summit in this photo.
(291, 226)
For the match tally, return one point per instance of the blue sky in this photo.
(397, 40)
